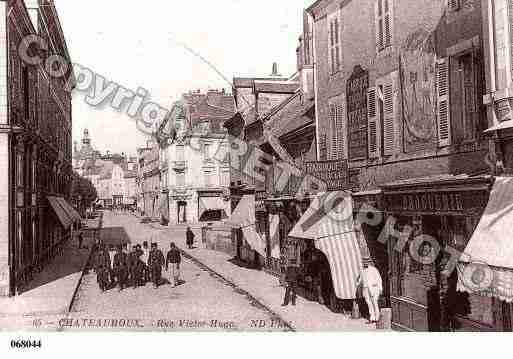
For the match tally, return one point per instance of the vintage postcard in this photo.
(269, 166)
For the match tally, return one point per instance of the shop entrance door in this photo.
(431, 225)
(182, 212)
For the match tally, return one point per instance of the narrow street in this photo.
(194, 305)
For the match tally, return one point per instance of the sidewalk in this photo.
(305, 316)
(52, 291)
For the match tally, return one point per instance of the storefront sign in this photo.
(333, 173)
(356, 93)
(432, 202)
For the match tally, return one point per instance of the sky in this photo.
(139, 44)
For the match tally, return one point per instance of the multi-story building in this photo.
(498, 61)
(35, 143)
(113, 175)
(399, 95)
(195, 167)
(150, 168)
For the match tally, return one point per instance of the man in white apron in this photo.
(372, 287)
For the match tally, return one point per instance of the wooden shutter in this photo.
(454, 5)
(388, 22)
(341, 128)
(337, 43)
(372, 114)
(379, 25)
(333, 131)
(443, 104)
(390, 126)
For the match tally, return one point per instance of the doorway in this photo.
(182, 212)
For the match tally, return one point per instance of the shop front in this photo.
(485, 271)
(325, 241)
(425, 218)
(283, 213)
(212, 207)
(368, 214)
(249, 242)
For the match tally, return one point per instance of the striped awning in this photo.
(243, 217)
(212, 204)
(69, 210)
(486, 265)
(329, 222)
(60, 211)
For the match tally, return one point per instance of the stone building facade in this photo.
(35, 144)
(195, 171)
(399, 95)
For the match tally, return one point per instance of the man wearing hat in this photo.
(156, 261)
(372, 286)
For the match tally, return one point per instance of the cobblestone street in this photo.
(194, 305)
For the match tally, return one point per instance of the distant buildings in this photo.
(113, 175)
(194, 182)
(35, 146)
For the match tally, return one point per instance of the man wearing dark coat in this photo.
(173, 258)
(121, 268)
(156, 261)
(102, 267)
(134, 267)
(291, 283)
(189, 238)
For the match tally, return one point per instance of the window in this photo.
(383, 126)
(334, 42)
(384, 24)
(19, 169)
(501, 43)
(180, 179)
(207, 151)
(454, 5)
(443, 113)
(225, 178)
(209, 178)
(337, 123)
(323, 149)
(464, 115)
(180, 153)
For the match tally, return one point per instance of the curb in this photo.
(84, 268)
(252, 298)
(66, 308)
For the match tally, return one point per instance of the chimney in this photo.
(275, 72)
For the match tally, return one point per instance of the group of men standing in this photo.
(137, 267)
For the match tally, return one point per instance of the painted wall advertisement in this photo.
(356, 93)
(333, 173)
(418, 61)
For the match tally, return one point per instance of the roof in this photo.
(292, 114)
(283, 87)
(214, 107)
(247, 82)
(504, 125)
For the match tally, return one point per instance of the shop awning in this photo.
(244, 217)
(211, 204)
(70, 210)
(64, 218)
(486, 266)
(504, 125)
(329, 222)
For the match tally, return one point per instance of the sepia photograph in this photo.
(329, 166)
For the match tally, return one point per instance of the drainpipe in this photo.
(316, 97)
